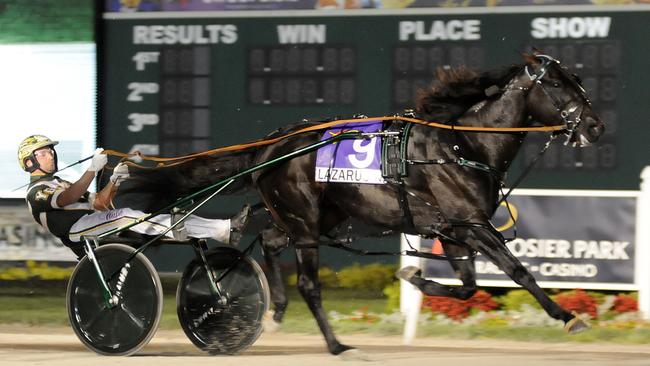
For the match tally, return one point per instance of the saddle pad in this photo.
(351, 161)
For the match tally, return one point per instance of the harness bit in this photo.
(571, 124)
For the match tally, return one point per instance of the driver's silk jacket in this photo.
(41, 199)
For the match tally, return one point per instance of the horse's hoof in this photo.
(269, 324)
(338, 348)
(354, 354)
(407, 273)
(576, 325)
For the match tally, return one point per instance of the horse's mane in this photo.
(455, 90)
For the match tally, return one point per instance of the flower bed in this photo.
(592, 305)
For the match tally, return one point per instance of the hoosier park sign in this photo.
(565, 239)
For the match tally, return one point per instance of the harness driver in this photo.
(69, 211)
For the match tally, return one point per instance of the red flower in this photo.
(625, 303)
(578, 301)
(459, 309)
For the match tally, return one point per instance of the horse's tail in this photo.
(153, 189)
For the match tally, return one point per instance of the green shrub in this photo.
(370, 277)
(34, 270)
(392, 293)
(373, 277)
(494, 322)
(598, 296)
(514, 299)
(327, 278)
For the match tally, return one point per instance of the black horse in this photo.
(451, 200)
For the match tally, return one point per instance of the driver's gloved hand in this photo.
(99, 160)
(120, 174)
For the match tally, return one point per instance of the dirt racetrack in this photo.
(60, 347)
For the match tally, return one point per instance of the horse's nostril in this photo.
(595, 130)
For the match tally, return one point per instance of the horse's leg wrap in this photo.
(465, 270)
(433, 288)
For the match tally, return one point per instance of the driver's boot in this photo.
(237, 225)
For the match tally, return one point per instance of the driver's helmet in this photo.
(28, 146)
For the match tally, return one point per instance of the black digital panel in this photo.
(300, 75)
(185, 91)
(597, 63)
(185, 61)
(185, 100)
(414, 66)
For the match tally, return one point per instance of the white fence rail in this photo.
(642, 244)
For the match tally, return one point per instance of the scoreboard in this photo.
(176, 83)
(301, 76)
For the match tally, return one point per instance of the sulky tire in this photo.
(230, 327)
(126, 328)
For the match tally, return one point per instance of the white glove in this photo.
(99, 160)
(120, 173)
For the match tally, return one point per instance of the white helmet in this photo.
(26, 151)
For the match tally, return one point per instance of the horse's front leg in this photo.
(309, 287)
(463, 268)
(492, 245)
(274, 242)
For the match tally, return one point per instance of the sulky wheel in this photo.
(118, 330)
(234, 323)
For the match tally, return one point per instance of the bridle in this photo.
(570, 114)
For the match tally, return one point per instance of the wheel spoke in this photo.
(114, 332)
(96, 316)
(139, 323)
(198, 291)
(250, 300)
(87, 292)
(238, 285)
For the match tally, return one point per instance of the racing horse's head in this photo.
(555, 95)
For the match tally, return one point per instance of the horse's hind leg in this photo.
(492, 245)
(309, 287)
(274, 241)
(464, 268)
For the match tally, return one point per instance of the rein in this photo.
(178, 160)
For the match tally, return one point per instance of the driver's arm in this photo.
(73, 193)
(104, 197)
